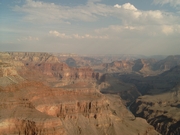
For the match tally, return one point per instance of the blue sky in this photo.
(148, 27)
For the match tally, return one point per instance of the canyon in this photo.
(53, 94)
(162, 110)
(41, 95)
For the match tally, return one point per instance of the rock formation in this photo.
(141, 66)
(160, 103)
(50, 66)
(162, 111)
(144, 67)
(111, 84)
(33, 105)
(154, 84)
(167, 63)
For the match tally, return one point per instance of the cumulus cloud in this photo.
(130, 13)
(127, 6)
(38, 11)
(133, 21)
(152, 21)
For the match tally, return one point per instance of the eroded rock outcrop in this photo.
(32, 106)
(162, 111)
(8, 74)
(139, 66)
(167, 63)
(50, 65)
(154, 84)
(112, 85)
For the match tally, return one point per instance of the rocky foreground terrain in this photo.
(40, 95)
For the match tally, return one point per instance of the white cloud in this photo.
(119, 31)
(117, 6)
(47, 12)
(127, 6)
(131, 13)
(37, 11)
(167, 29)
(124, 29)
(134, 22)
(57, 34)
(88, 36)
(76, 36)
(138, 31)
(29, 38)
(170, 29)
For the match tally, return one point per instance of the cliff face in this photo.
(19, 115)
(139, 66)
(162, 111)
(8, 74)
(50, 66)
(73, 60)
(33, 108)
(145, 67)
(161, 106)
(111, 84)
(167, 63)
(33, 123)
(154, 84)
(30, 106)
(7, 70)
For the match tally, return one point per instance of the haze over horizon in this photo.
(149, 27)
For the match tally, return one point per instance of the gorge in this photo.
(41, 94)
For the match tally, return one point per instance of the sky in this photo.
(145, 27)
